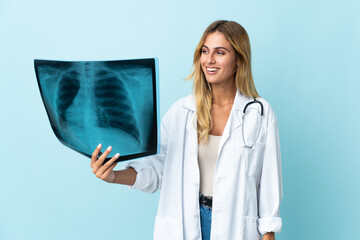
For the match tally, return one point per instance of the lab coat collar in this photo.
(190, 103)
(235, 118)
(240, 101)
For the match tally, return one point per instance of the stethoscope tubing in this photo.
(255, 101)
(258, 132)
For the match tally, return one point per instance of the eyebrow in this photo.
(217, 48)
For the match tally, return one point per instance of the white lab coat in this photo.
(247, 187)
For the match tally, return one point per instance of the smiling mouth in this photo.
(212, 70)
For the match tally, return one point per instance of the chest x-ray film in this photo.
(109, 102)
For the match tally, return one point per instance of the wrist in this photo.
(269, 236)
(111, 178)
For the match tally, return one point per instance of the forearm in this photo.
(125, 177)
(269, 236)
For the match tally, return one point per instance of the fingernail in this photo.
(99, 146)
(117, 155)
(109, 148)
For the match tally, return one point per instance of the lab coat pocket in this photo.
(167, 228)
(253, 158)
(250, 229)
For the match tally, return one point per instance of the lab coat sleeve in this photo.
(270, 183)
(150, 169)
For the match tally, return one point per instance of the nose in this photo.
(210, 59)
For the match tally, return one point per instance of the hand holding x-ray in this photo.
(103, 171)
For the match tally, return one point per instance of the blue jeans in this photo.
(205, 219)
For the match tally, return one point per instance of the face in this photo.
(218, 59)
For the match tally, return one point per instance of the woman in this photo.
(210, 154)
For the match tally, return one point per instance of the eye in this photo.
(220, 52)
(204, 51)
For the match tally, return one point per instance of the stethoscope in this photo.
(260, 115)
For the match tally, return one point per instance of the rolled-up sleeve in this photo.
(150, 169)
(270, 184)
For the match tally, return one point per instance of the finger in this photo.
(111, 161)
(102, 169)
(108, 171)
(101, 159)
(95, 155)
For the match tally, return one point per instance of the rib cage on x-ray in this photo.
(114, 106)
(68, 88)
(110, 102)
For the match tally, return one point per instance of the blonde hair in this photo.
(239, 40)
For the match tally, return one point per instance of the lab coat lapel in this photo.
(191, 126)
(191, 106)
(235, 118)
(191, 142)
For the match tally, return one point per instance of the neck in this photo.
(223, 94)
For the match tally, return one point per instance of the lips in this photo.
(212, 70)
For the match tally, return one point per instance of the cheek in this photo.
(230, 65)
(202, 65)
(202, 60)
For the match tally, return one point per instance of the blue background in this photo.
(305, 63)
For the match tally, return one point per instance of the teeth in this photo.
(212, 69)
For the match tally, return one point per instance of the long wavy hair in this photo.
(244, 82)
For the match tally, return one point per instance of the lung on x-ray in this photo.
(109, 102)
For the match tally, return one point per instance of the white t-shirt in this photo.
(207, 159)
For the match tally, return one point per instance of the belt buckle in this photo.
(207, 201)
